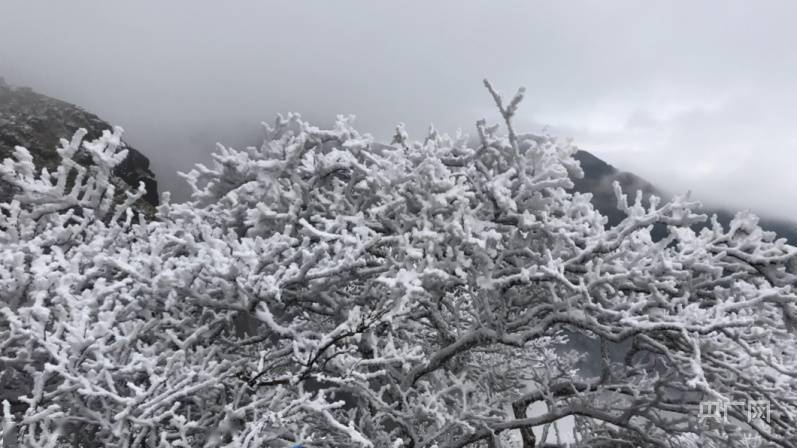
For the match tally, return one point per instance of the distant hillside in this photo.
(598, 178)
(37, 122)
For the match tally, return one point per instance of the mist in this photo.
(689, 96)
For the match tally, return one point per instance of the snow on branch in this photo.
(325, 290)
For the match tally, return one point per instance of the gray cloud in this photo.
(687, 94)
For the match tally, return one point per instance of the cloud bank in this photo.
(689, 96)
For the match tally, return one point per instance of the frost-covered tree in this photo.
(328, 291)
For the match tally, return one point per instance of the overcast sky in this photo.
(690, 95)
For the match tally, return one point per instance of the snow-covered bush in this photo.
(329, 291)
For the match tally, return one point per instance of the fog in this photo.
(689, 96)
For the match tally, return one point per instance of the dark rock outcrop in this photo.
(37, 122)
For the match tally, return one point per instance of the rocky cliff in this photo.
(37, 122)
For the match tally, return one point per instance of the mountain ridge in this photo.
(37, 122)
(599, 176)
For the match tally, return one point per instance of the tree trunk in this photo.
(526, 434)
